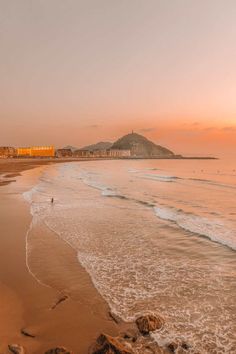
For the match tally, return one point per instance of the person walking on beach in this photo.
(52, 200)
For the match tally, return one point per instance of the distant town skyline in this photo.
(78, 72)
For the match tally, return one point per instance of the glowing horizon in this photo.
(80, 72)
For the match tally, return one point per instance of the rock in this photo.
(27, 333)
(185, 346)
(172, 347)
(109, 345)
(16, 349)
(178, 346)
(130, 335)
(58, 350)
(149, 323)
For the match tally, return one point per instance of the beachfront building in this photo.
(36, 151)
(119, 153)
(24, 151)
(100, 153)
(82, 153)
(64, 153)
(42, 151)
(7, 151)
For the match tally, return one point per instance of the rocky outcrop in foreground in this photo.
(149, 323)
(109, 345)
(135, 339)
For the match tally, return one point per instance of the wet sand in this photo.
(26, 303)
(12, 168)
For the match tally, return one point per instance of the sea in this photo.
(155, 236)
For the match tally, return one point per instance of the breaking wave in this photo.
(160, 178)
(215, 229)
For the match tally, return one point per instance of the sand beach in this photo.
(123, 240)
(26, 304)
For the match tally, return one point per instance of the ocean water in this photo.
(155, 236)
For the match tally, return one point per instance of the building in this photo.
(64, 153)
(36, 151)
(42, 151)
(118, 153)
(24, 152)
(7, 151)
(82, 153)
(100, 153)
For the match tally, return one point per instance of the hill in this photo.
(72, 148)
(102, 145)
(141, 146)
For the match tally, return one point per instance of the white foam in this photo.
(214, 229)
(160, 178)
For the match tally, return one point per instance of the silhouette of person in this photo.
(52, 200)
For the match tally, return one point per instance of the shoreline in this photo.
(53, 302)
(10, 168)
(26, 304)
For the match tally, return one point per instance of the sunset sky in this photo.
(77, 72)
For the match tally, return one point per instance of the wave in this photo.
(133, 170)
(161, 178)
(212, 229)
(169, 178)
(213, 183)
(106, 190)
(114, 193)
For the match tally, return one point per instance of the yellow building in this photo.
(41, 151)
(26, 151)
(36, 151)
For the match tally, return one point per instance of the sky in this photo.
(77, 72)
